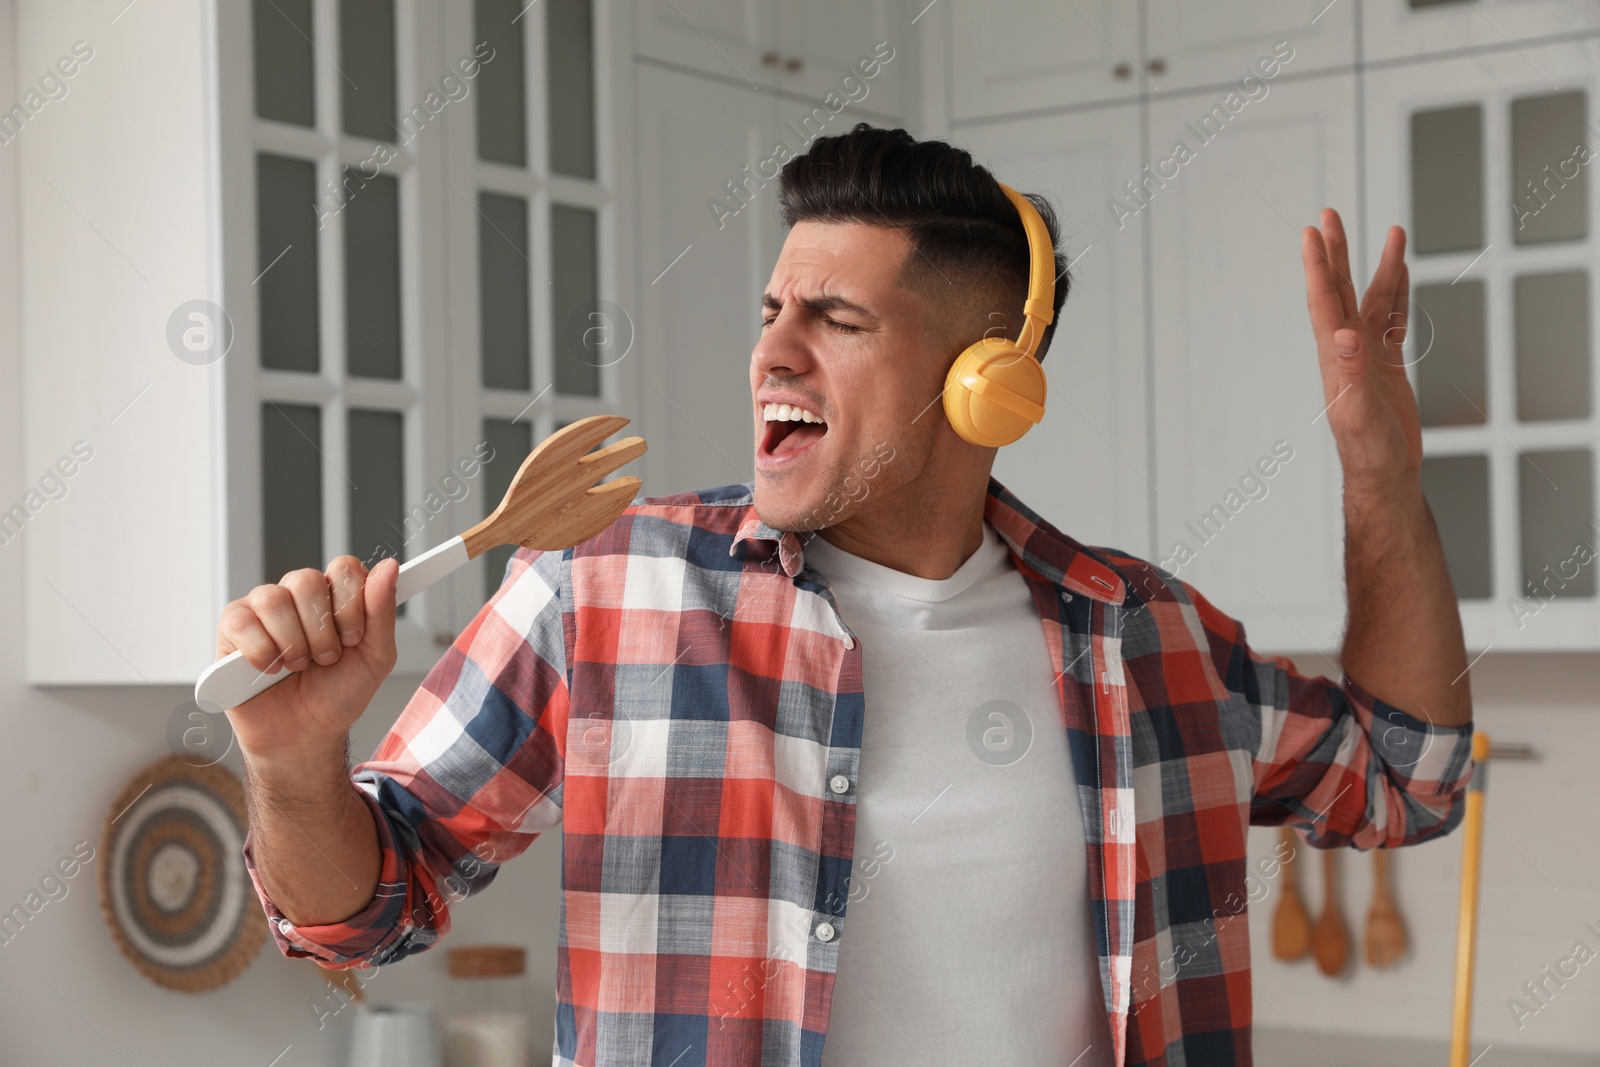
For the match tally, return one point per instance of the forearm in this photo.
(314, 841)
(1403, 642)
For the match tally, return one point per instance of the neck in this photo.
(927, 535)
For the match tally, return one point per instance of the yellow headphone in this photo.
(995, 390)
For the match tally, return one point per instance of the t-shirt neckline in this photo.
(830, 560)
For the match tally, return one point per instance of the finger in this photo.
(1379, 301)
(1322, 296)
(346, 576)
(274, 608)
(379, 606)
(241, 630)
(315, 606)
(1400, 317)
(1339, 257)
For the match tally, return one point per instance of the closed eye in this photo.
(844, 327)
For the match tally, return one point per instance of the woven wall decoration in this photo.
(173, 884)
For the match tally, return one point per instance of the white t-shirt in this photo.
(967, 936)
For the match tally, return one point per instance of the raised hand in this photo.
(1371, 408)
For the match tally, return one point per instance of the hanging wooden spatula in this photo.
(550, 505)
(1329, 939)
(1386, 934)
(1291, 923)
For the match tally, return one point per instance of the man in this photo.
(865, 750)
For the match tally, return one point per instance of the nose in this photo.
(782, 350)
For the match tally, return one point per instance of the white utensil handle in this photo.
(231, 681)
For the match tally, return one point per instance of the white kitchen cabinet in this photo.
(284, 261)
(804, 50)
(705, 255)
(1501, 349)
(1401, 29)
(1236, 386)
(1007, 57)
(1087, 467)
(1192, 43)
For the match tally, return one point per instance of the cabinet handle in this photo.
(1122, 71)
(793, 64)
(770, 59)
(1157, 66)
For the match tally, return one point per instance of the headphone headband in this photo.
(1038, 310)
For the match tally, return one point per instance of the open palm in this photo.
(1371, 408)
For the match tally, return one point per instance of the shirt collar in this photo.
(1040, 546)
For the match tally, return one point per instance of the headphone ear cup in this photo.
(994, 393)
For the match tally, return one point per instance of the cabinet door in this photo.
(1086, 468)
(1235, 369)
(1007, 56)
(727, 38)
(1398, 28)
(1191, 43)
(708, 237)
(1486, 163)
(820, 43)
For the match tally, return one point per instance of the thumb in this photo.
(378, 594)
(1352, 355)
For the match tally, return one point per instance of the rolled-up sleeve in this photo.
(1332, 759)
(467, 778)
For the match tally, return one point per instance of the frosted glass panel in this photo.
(503, 291)
(1553, 345)
(286, 254)
(1447, 179)
(574, 247)
(569, 70)
(1450, 375)
(281, 36)
(1457, 488)
(372, 276)
(376, 450)
(1557, 497)
(366, 58)
(502, 118)
(1549, 178)
(511, 441)
(291, 489)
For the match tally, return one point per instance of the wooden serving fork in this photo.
(552, 503)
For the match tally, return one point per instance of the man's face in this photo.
(843, 340)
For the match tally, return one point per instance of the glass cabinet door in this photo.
(332, 162)
(537, 335)
(1485, 160)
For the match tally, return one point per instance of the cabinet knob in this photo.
(770, 59)
(1157, 66)
(1122, 71)
(793, 64)
(443, 639)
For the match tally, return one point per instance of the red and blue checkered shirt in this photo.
(682, 697)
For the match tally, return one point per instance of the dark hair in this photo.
(963, 229)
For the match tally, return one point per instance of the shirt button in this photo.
(824, 931)
(849, 642)
(839, 783)
(285, 927)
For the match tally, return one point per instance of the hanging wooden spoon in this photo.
(1386, 934)
(549, 505)
(1329, 939)
(1291, 923)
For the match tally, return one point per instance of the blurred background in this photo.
(287, 279)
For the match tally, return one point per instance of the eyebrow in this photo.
(819, 304)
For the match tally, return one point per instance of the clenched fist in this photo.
(335, 632)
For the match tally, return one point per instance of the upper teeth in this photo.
(789, 413)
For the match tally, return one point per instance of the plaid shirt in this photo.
(681, 696)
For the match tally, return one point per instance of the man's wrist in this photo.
(312, 770)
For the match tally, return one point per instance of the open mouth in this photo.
(790, 430)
